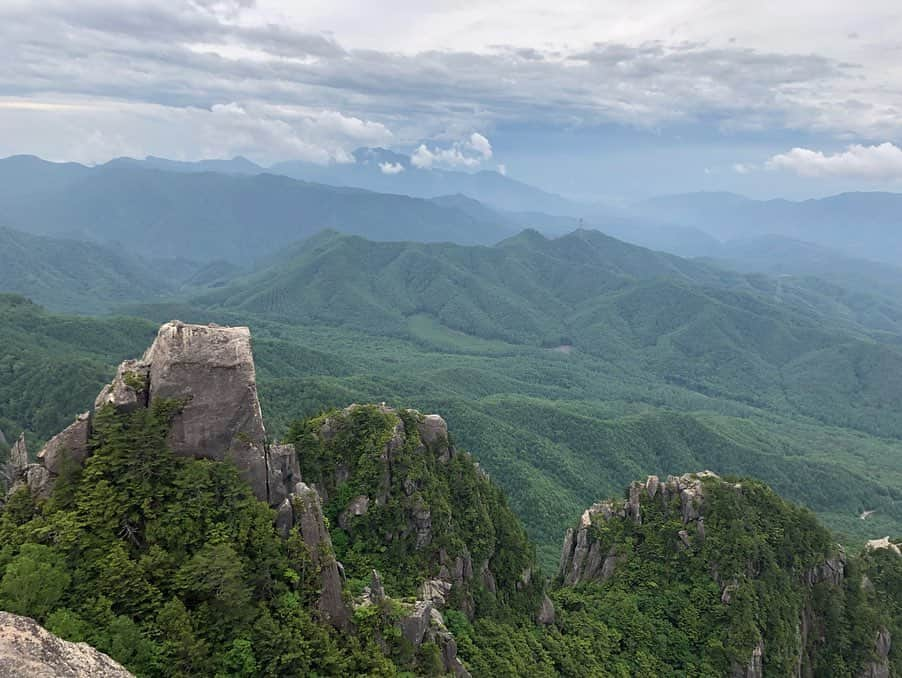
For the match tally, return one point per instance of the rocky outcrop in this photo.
(29, 651)
(399, 482)
(70, 446)
(755, 666)
(283, 473)
(585, 558)
(308, 516)
(210, 371)
(885, 543)
(832, 571)
(424, 623)
(879, 667)
(545, 615)
(129, 389)
(18, 455)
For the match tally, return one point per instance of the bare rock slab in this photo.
(27, 650)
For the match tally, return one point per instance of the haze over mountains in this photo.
(234, 198)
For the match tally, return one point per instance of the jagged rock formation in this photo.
(18, 455)
(405, 470)
(604, 538)
(210, 370)
(308, 516)
(584, 558)
(422, 620)
(72, 445)
(29, 651)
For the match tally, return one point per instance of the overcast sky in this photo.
(597, 99)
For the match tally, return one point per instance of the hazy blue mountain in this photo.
(492, 188)
(24, 176)
(778, 255)
(237, 165)
(208, 216)
(863, 225)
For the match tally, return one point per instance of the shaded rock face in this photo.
(283, 473)
(18, 455)
(70, 446)
(879, 668)
(29, 651)
(308, 516)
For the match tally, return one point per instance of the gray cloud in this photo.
(200, 54)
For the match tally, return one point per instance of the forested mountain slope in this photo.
(569, 366)
(167, 529)
(77, 276)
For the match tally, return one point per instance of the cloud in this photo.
(198, 54)
(881, 162)
(742, 168)
(502, 169)
(469, 154)
(92, 131)
(391, 167)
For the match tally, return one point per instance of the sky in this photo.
(610, 100)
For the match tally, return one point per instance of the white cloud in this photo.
(469, 154)
(742, 168)
(481, 145)
(882, 162)
(391, 167)
(95, 130)
(502, 169)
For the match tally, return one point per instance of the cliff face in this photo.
(28, 650)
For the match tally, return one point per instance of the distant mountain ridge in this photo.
(208, 215)
(863, 225)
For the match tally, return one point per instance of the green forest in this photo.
(568, 367)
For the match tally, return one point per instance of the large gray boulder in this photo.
(210, 369)
(29, 651)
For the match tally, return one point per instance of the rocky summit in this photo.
(29, 651)
(209, 371)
